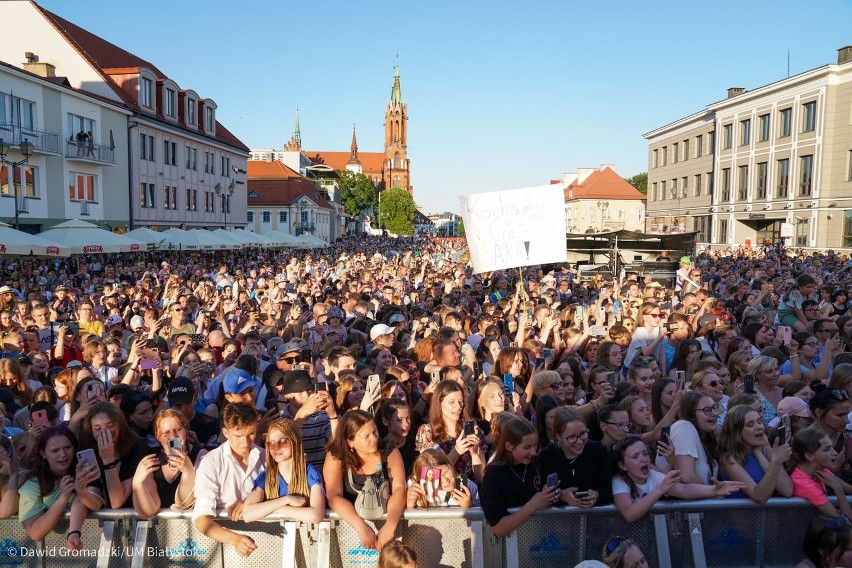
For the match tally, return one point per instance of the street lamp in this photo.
(226, 199)
(26, 148)
(603, 206)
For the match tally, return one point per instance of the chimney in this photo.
(844, 55)
(734, 91)
(33, 65)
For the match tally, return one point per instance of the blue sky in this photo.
(500, 94)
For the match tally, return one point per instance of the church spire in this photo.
(297, 134)
(396, 90)
(353, 156)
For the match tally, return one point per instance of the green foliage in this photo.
(397, 211)
(357, 192)
(640, 182)
(461, 228)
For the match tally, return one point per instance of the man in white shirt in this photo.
(226, 476)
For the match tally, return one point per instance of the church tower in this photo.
(396, 172)
(295, 142)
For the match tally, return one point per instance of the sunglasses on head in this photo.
(613, 543)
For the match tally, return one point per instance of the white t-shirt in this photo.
(655, 479)
(687, 443)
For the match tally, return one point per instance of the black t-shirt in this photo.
(127, 468)
(589, 470)
(205, 427)
(166, 490)
(507, 486)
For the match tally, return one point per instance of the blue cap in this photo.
(237, 381)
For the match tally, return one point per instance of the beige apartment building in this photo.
(760, 166)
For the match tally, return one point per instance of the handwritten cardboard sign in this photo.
(519, 227)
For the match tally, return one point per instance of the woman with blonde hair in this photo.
(738, 364)
(767, 390)
(12, 378)
(295, 489)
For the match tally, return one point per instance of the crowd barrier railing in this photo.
(716, 533)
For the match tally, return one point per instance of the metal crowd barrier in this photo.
(715, 533)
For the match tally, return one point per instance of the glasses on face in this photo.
(233, 320)
(655, 315)
(623, 426)
(613, 543)
(710, 410)
(275, 444)
(713, 384)
(577, 437)
(291, 359)
(829, 330)
(557, 385)
(811, 343)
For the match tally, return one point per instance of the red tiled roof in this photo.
(261, 169)
(604, 183)
(109, 59)
(278, 192)
(371, 162)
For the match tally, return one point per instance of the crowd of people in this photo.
(382, 374)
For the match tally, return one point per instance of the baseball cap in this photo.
(288, 347)
(237, 381)
(7, 290)
(295, 381)
(794, 406)
(396, 318)
(114, 319)
(24, 359)
(380, 329)
(74, 363)
(136, 322)
(180, 391)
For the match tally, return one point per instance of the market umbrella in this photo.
(15, 242)
(285, 239)
(258, 240)
(238, 240)
(80, 237)
(215, 241)
(145, 235)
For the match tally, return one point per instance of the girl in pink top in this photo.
(816, 457)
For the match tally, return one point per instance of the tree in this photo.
(461, 228)
(397, 211)
(357, 192)
(640, 182)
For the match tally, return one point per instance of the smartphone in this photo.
(321, 386)
(87, 456)
(207, 367)
(374, 384)
(461, 480)
(666, 435)
(39, 418)
(601, 316)
(90, 391)
(509, 382)
(553, 480)
(539, 363)
(469, 428)
(436, 377)
(841, 441)
(175, 444)
(578, 314)
(307, 356)
(612, 379)
(680, 378)
(749, 384)
(146, 364)
(477, 369)
(788, 430)
(581, 494)
(547, 353)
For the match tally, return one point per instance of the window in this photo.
(723, 231)
(697, 191)
(847, 228)
(685, 150)
(849, 166)
(146, 195)
(727, 136)
(191, 105)
(146, 147)
(654, 195)
(786, 120)
(742, 183)
(208, 119)
(684, 185)
(267, 217)
(170, 103)
(188, 199)
(78, 124)
(282, 216)
(699, 145)
(656, 158)
(710, 186)
(702, 225)
(712, 141)
(762, 176)
(169, 153)
(250, 216)
(622, 214)
(809, 118)
(675, 152)
(145, 92)
(783, 177)
(665, 153)
(226, 166)
(726, 184)
(167, 197)
(191, 155)
(745, 132)
(23, 179)
(806, 164)
(208, 162)
(81, 187)
(228, 203)
(764, 127)
(663, 191)
(195, 200)
(803, 227)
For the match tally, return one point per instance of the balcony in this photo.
(89, 152)
(43, 142)
(308, 228)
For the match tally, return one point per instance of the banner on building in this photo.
(514, 228)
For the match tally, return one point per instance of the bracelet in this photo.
(78, 533)
(112, 465)
(333, 417)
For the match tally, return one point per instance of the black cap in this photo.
(295, 381)
(181, 391)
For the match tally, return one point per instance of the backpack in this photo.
(371, 502)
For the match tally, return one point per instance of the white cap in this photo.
(136, 322)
